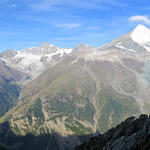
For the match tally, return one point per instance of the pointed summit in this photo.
(47, 45)
(141, 27)
(137, 40)
(83, 47)
(141, 35)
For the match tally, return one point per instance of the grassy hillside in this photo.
(81, 96)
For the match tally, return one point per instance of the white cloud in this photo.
(69, 25)
(139, 18)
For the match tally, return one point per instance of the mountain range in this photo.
(77, 91)
(34, 61)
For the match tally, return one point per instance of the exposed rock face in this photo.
(132, 134)
(9, 74)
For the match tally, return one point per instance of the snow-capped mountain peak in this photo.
(141, 35)
(35, 60)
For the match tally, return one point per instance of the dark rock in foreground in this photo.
(132, 134)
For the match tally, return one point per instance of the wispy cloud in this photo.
(43, 5)
(69, 25)
(139, 18)
(50, 5)
(92, 28)
(13, 6)
(115, 3)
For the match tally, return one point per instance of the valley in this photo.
(73, 93)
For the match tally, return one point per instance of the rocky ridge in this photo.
(131, 134)
(34, 61)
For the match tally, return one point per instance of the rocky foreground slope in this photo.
(131, 134)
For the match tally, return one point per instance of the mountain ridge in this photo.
(135, 41)
(131, 134)
(90, 89)
(33, 61)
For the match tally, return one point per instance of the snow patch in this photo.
(68, 50)
(28, 58)
(118, 45)
(59, 51)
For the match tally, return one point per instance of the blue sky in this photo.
(66, 23)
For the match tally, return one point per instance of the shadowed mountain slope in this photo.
(53, 141)
(131, 134)
(10, 80)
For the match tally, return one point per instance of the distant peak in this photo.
(141, 28)
(8, 53)
(141, 35)
(45, 45)
(83, 46)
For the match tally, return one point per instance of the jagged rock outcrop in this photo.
(131, 134)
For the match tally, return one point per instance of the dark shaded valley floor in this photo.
(131, 134)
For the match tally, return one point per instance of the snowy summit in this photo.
(141, 35)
